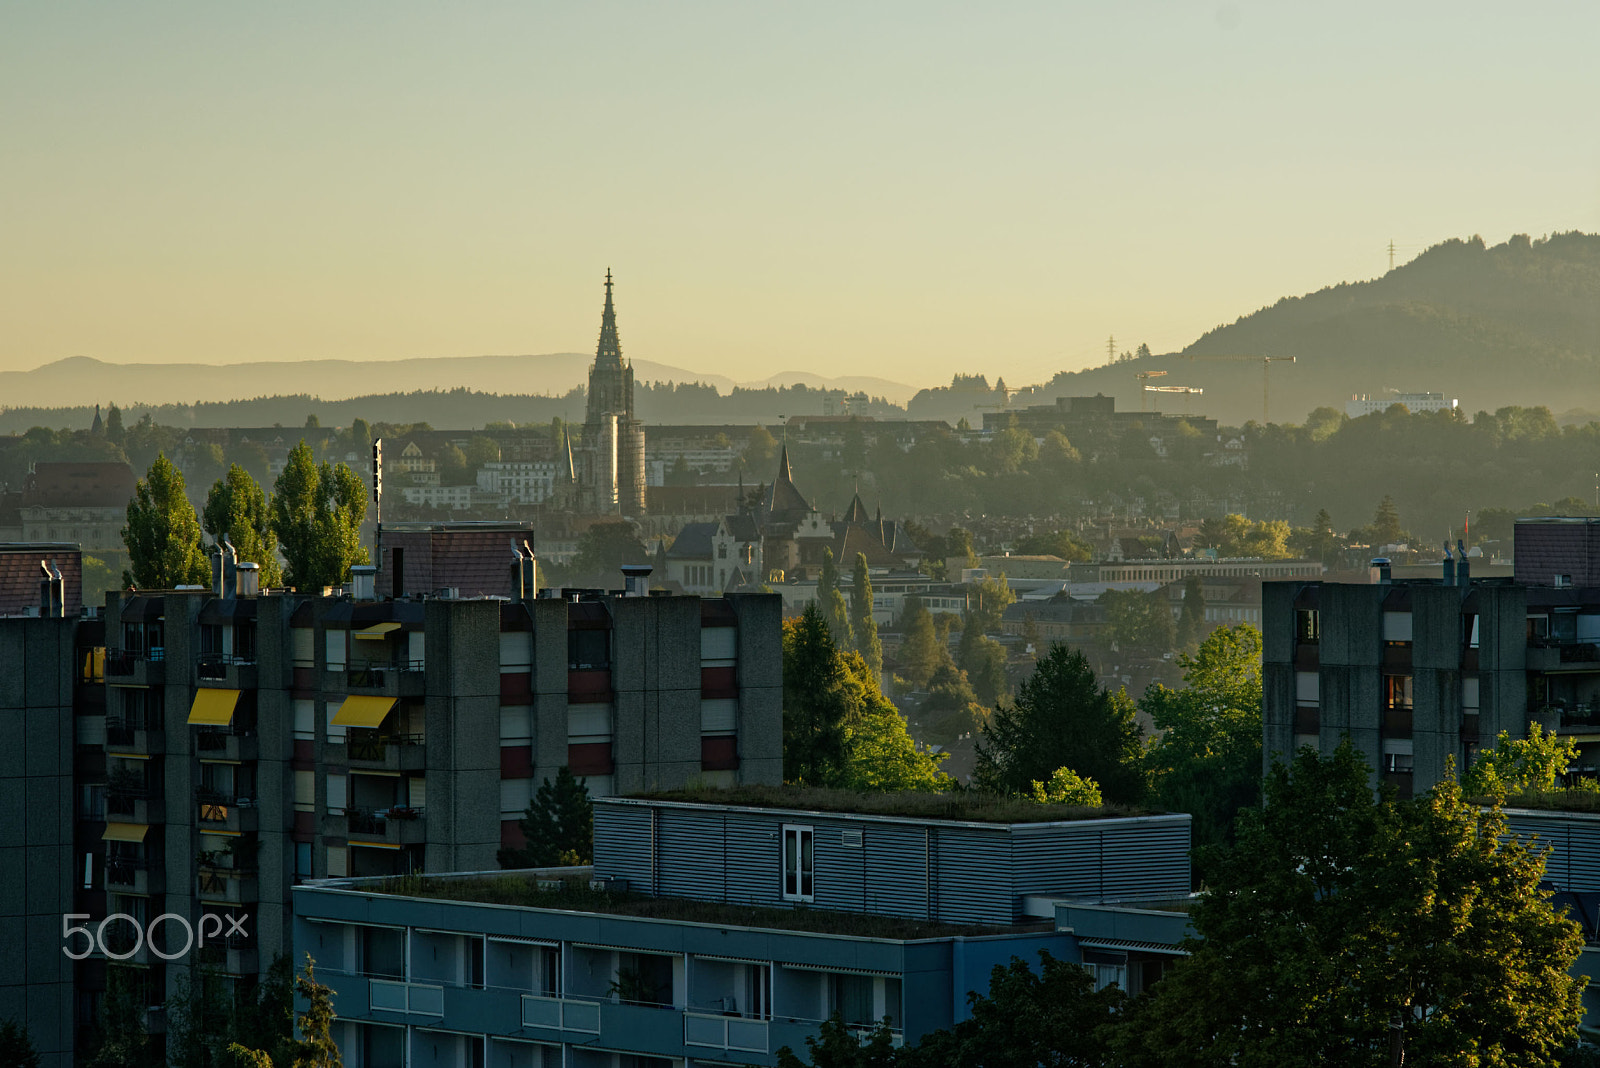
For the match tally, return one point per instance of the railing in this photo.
(376, 821)
(214, 878)
(120, 663)
(124, 871)
(562, 1013)
(725, 1032)
(214, 739)
(121, 802)
(117, 734)
(213, 807)
(419, 999)
(373, 745)
(216, 665)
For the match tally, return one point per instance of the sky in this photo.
(906, 190)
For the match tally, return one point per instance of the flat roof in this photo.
(955, 807)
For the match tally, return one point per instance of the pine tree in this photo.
(862, 625)
(163, 533)
(1386, 529)
(237, 508)
(558, 825)
(831, 602)
(316, 1048)
(16, 1048)
(114, 431)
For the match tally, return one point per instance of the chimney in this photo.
(636, 580)
(230, 569)
(527, 572)
(1380, 569)
(249, 579)
(216, 568)
(1463, 568)
(47, 591)
(362, 581)
(1449, 566)
(58, 591)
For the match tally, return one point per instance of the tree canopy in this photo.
(558, 825)
(1353, 930)
(316, 515)
(1061, 718)
(163, 533)
(237, 509)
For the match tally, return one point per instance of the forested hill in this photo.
(1518, 323)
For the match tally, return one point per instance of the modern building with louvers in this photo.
(716, 929)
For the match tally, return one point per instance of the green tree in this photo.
(1192, 617)
(1386, 528)
(163, 533)
(316, 515)
(1520, 766)
(839, 1046)
(114, 430)
(831, 601)
(1138, 621)
(1207, 759)
(983, 661)
(1344, 929)
(882, 758)
(605, 547)
(1062, 543)
(1066, 787)
(16, 1048)
(952, 708)
(558, 825)
(863, 628)
(237, 508)
(121, 1039)
(921, 651)
(315, 1048)
(1062, 719)
(818, 706)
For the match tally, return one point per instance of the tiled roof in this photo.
(478, 563)
(20, 574)
(1547, 548)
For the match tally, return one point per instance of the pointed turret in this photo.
(784, 500)
(609, 352)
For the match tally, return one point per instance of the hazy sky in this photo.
(905, 190)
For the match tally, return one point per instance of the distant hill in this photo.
(79, 380)
(1518, 323)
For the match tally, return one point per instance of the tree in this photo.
(863, 628)
(1138, 621)
(882, 756)
(817, 705)
(316, 1048)
(16, 1048)
(114, 430)
(983, 660)
(1062, 719)
(921, 651)
(237, 509)
(163, 533)
(832, 601)
(122, 1040)
(1207, 760)
(558, 825)
(1517, 766)
(1192, 616)
(1352, 930)
(605, 547)
(839, 1046)
(316, 515)
(1066, 787)
(952, 709)
(1386, 528)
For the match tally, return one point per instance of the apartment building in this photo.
(253, 740)
(716, 933)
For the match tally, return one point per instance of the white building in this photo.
(519, 481)
(1367, 403)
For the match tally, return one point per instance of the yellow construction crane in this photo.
(1266, 365)
(1187, 391)
(1144, 377)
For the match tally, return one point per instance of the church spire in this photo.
(609, 352)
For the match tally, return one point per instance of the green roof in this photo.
(969, 806)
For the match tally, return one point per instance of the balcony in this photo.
(386, 750)
(135, 807)
(122, 737)
(137, 668)
(560, 1014)
(236, 886)
(135, 876)
(227, 672)
(215, 812)
(235, 742)
(726, 1032)
(391, 826)
(400, 678)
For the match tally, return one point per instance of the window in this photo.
(588, 650)
(1397, 691)
(799, 871)
(1397, 762)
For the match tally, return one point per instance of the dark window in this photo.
(588, 650)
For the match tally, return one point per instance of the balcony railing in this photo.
(215, 665)
(374, 745)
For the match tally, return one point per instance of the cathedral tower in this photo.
(612, 481)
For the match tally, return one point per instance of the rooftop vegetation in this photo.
(523, 889)
(968, 805)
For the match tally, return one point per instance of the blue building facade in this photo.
(674, 972)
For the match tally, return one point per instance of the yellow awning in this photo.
(377, 630)
(362, 711)
(213, 708)
(124, 832)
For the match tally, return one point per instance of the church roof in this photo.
(693, 542)
(857, 512)
(784, 500)
(609, 351)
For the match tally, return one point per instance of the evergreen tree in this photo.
(1062, 719)
(163, 533)
(237, 508)
(16, 1048)
(1192, 616)
(921, 651)
(952, 709)
(817, 703)
(832, 603)
(1386, 528)
(114, 431)
(558, 825)
(315, 1048)
(316, 515)
(862, 625)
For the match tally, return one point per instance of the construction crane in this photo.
(1187, 391)
(1144, 380)
(1266, 365)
